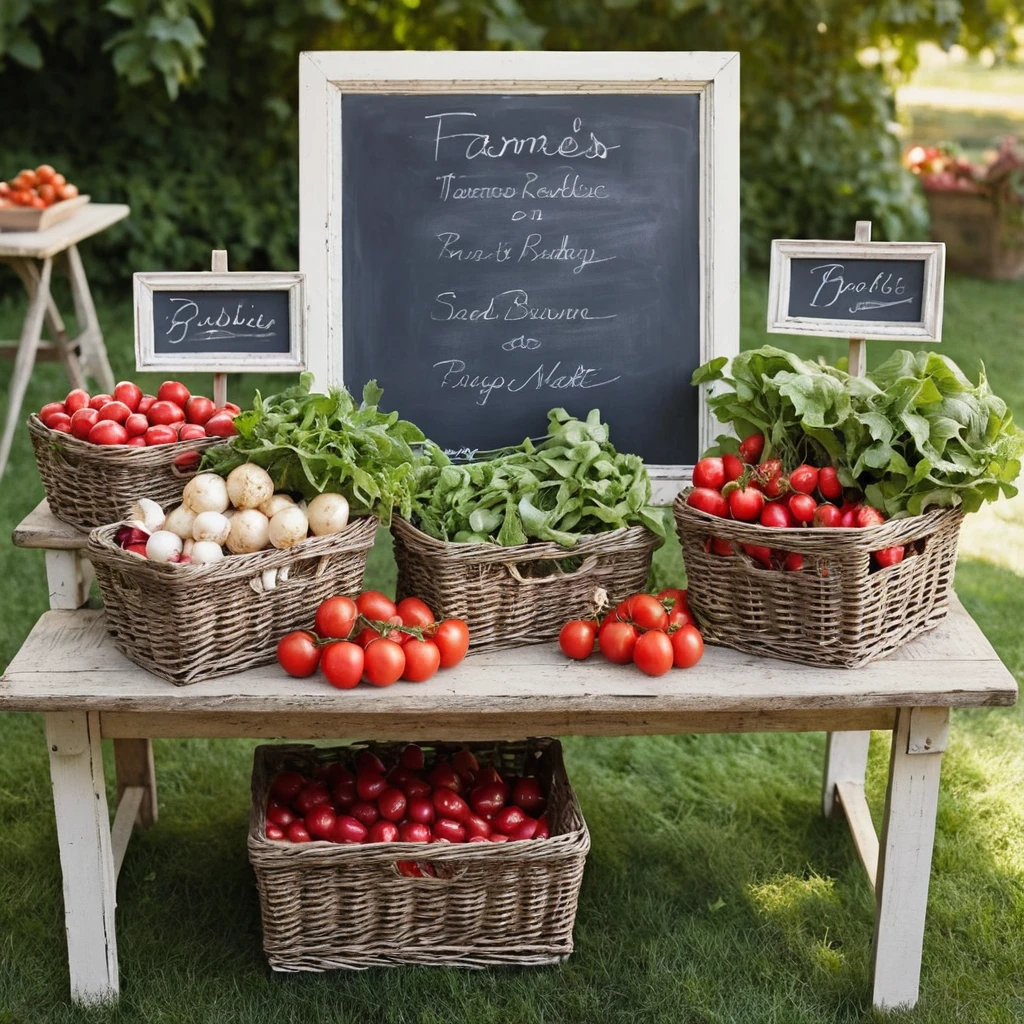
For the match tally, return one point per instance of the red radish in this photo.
(343, 793)
(450, 831)
(287, 785)
(746, 504)
(173, 391)
(527, 830)
(311, 795)
(414, 832)
(499, 837)
(803, 479)
(526, 793)
(368, 762)
(709, 472)
(759, 554)
(366, 814)
(828, 483)
(136, 442)
(198, 410)
(802, 507)
(489, 798)
(161, 434)
(508, 819)
(399, 775)
(136, 549)
(543, 828)
(273, 832)
(76, 399)
(82, 421)
(444, 775)
(392, 804)
(751, 448)
(772, 479)
(144, 403)
(450, 805)
(720, 546)
(52, 409)
(421, 810)
(704, 499)
(369, 786)
(128, 393)
(415, 788)
(776, 514)
(383, 832)
(477, 827)
(296, 833)
(60, 421)
(889, 556)
(280, 816)
(868, 516)
(320, 821)
(412, 757)
(107, 432)
(827, 515)
(165, 413)
(733, 467)
(491, 776)
(849, 519)
(116, 411)
(348, 830)
(464, 760)
(136, 424)
(190, 432)
(221, 424)
(793, 562)
(98, 401)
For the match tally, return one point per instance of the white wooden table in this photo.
(32, 255)
(69, 670)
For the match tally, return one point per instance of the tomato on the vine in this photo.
(680, 617)
(746, 504)
(687, 647)
(617, 640)
(674, 594)
(335, 617)
(645, 611)
(751, 448)
(383, 662)
(709, 472)
(375, 605)
(342, 664)
(415, 612)
(577, 639)
(422, 660)
(653, 653)
(298, 653)
(452, 639)
(705, 499)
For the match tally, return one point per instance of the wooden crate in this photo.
(981, 238)
(24, 218)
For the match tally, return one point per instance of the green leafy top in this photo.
(310, 443)
(913, 433)
(569, 484)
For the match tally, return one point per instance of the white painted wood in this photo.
(904, 867)
(846, 760)
(146, 358)
(94, 351)
(38, 245)
(42, 529)
(124, 818)
(850, 796)
(929, 731)
(69, 577)
(86, 857)
(134, 767)
(68, 661)
(325, 77)
(928, 328)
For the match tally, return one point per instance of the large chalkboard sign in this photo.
(882, 290)
(501, 253)
(220, 322)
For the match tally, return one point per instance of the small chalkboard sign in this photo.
(886, 291)
(493, 235)
(220, 322)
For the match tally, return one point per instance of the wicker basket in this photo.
(501, 592)
(187, 623)
(840, 608)
(91, 485)
(326, 906)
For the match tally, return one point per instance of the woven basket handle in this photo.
(583, 569)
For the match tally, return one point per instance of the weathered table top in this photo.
(90, 220)
(42, 529)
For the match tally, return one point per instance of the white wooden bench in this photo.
(69, 669)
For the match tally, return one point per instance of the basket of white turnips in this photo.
(208, 587)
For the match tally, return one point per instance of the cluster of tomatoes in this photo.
(363, 801)
(373, 638)
(130, 417)
(653, 633)
(36, 189)
(746, 489)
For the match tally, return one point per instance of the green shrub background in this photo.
(186, 109)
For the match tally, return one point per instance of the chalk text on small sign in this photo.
(857, 289)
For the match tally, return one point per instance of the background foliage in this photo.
(187, 108)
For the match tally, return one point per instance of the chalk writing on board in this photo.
(210, 321)
(221, 326)
(582, 378)
(481, 144)
(834, 286)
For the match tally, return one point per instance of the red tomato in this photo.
(136, 442)
(849, 518)
(144, 403)
(342, 664)
(116, 411)
(676, 595)
(286, 785)
(392, 804)
(414, 832)
(866, 515)
(452, 639)
(577, 637)
(508, 819)
(746, 504)
(128, 393)
(365, 636)
(375, 605)
(173, 391)
(751, 448)
(52, 409)
(687, 647)
(108, 432)
(828, 483)
(488, 798)
(793, 562)
(680, 617)
(198, 410)
(136, 425)
(450, 831)
(98, 401)
(889, 556)
(645, 611)
(414, 612)
(777, 515)
(804, 479)
(477, 828)
(709, 472)
(190, 432)
(45, 174)
(67, 191)
(320, 821)
(348, 830)
(827, 515)
(298, 654)
(311, 795)
(61, 421)
(499, 837)
(719, 546)
(802, 507)
(335, 617)
(527, 794)
(161, 412)
(771, 478)
(162, 434)
(733, 467)
(759, 554)
(652, 653)
(383, 832)
(422, 660)
(704, 499)
(76, 399)
(617, 640)
(232, 408)
(296, 833)
(221, 424)
(412, 757)
(273, 832)
(420, 809)
(383, 662)
(444, 775)
(365, 813)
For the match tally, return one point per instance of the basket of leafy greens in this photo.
(518, 542)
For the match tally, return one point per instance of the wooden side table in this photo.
(33, 255)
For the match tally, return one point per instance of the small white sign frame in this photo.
(325, 77)
(928, 328)
(147, 358)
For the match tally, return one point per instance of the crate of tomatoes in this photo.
(380, 854)
(829, 534)
(97, 454)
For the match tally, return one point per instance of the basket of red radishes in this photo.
(97, 454)
(435, 854)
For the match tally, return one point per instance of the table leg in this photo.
(905, 854)
(28, 345)
(133, 765)
(86, 858)
(90, 337)
(68, 577)
(846, 760)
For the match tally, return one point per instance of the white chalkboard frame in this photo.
(325, 77)
(292, 282)
(928, 328)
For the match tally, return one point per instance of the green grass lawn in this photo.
(714, 892)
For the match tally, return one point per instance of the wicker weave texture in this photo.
(327, 906)
(498, 590)
(187, 623)
(840, 608)
(91, 485)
